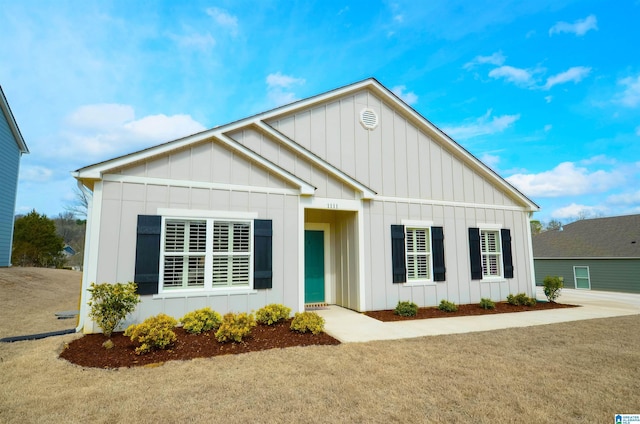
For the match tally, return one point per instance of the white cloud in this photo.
(638, 130)
(490, 160)
(398, 18)
(598, 159)
(103, 130)
(482, 126)
(408, 97)
(548, 99)
(574, 210)
(198, 41)
(224, 19)
(548, 127)
(630, 97)
(495, 59)
(283, 81)
(566, 180)
(625, 198)
(575, 74)
(518, 76)
(36, 174)
(579, 27)
(279, 88)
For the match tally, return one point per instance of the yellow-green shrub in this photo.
(201, 320)
(235, 327)
(110, 304)
(272, 314)
(307, 321)
(447, 306)
(153, 333)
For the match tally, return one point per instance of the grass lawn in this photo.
(583, 372)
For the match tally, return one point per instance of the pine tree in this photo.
(35, 242)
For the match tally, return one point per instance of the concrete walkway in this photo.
(349, 326)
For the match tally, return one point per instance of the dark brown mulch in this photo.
(465, 310)
(88, 351)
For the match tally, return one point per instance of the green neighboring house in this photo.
(592, 254)
(12, 147)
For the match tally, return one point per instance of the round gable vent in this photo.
(368, 118)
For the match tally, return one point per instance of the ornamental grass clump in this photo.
(486, 303)
(273, 313)
(111, 303)
(552, 287)
(447, 306)
(153, 333)
(235, 327)
(201, 320)
(406, 309)
(304, 322)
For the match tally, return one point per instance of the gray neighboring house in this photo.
(12, 147)
(592, 254)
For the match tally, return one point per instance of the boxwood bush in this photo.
(273, 313)
(235, 327)
(406, 309)
(304, 322)
(201, 320)
(487, 303)
(153, 333)
(447, 306)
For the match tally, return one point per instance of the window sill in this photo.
(494, 280)
(420, 283)
(203, 293)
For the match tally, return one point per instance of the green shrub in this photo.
(487, 303)
(272, 314)
(521, 299)
(552, 287)
(406, 309)
(304, 322)
(111, 303)
(201, 320)
(447, 306)
(153, 333)
(235, 327)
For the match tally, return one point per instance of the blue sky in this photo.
(545, 92)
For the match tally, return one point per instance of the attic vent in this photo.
(368, 118)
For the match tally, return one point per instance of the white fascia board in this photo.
(367, 193)
(305, 187)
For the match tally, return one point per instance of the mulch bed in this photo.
(88, 351)
(465, 310)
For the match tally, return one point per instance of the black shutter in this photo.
(437, 241)
(147, 274)
(507, 258)
(398, 261)
(262, 248)
(475, 255)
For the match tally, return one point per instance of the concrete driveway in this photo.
(349, 326)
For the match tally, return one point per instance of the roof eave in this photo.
(13, 125)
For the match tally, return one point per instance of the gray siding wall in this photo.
(458, 287)
(620, 275)
(9, 166)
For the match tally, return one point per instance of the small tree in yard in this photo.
(552, 287)
(35, 242)
(111, 303)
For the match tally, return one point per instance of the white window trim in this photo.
(418, 224)
(575, 277)
(494, 228)
(209, 217)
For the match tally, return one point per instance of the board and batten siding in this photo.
(9, 167)
(121, 203)
(395, 159)
(458, 286)
(619, 275)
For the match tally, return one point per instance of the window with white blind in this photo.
(206, 254)
(418, 254)
(491, 253)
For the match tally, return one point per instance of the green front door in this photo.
(313, 266)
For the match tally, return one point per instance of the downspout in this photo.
(85, 259)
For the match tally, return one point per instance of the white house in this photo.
(349, 197)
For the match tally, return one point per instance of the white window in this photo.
(418, 254)
(206, 253)
(581, 277)
(490, 249)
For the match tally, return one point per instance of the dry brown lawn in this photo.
(582, 372)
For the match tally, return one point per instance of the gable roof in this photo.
(613, 237)
(261, 120)
(13, 125)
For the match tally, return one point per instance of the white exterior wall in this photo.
(121, 202)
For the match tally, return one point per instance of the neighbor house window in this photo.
(491, 253)
(206, 253)
(418, 254)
